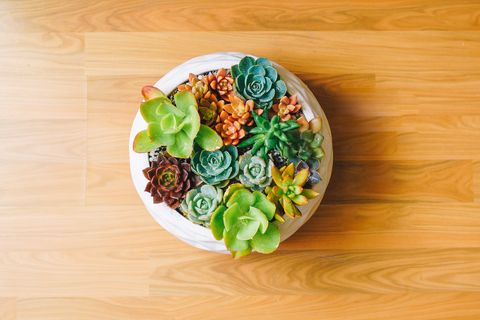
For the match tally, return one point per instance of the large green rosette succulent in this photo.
(243, 222)
(216, 167)
(258, 80)
(175, 127)
(199, 203)
(255, 172)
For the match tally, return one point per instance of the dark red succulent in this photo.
(169, 180)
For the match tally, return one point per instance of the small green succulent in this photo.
(255, 172)
(310, 146)
(268, 135)
(243, 221)
(175, 127)
(215, 167)
(200, 203)
(258, 80)
(288, 190)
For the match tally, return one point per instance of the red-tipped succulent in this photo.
(169, 180)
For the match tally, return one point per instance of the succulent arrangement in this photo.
(231, 151)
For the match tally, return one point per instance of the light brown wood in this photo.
(398, 233)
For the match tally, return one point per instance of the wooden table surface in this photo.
(397, 235)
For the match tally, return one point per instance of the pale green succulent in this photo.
(175, 127)
(199, 204)
(243, 222)
(255, 172)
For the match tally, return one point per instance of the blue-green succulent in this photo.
(216, 167)
(255, 172)
(200, 203)
(258, 80)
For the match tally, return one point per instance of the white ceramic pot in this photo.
(174, 222)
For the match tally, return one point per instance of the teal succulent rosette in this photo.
(200, 203)
(255, 172)
(258, 80)
(216, 167)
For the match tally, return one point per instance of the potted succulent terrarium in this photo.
(230, 153)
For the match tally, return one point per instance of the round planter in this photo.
(199, 236)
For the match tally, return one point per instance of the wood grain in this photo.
(335, 306)
(398, 234)
(213, 15)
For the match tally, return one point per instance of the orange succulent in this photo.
(230, 129)
(286, 107)
(199, 88)
(209, 110)
(239, 109)
(223, 83)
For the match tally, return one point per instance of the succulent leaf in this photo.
(233, 243)
(143, 143)
(151, 92)
(263, 204)
(248, 229)
(268, 241)
(216, 223)
(242, 198)
(208, 139)
(301, 177)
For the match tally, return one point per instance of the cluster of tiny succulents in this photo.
(232, 151)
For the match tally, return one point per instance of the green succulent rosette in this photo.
(255, 172)
(243, 222)
(269, 135)
(310, 146)
(258, 80)
(175, 127)
(215, 167)
(200, 203)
